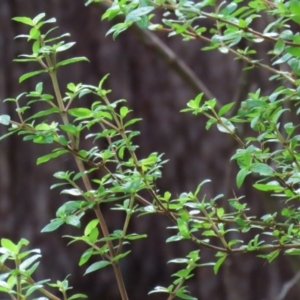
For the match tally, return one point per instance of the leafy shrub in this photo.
(269, 153)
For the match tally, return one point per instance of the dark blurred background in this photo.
(156, 88)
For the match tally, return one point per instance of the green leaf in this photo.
(70, 128)
(295, 51)
(38, 18)
(77, 296)
(219, 262)
(111, 13)
(226, 126)
(34, 34)
(231, 7)
(262, 169)
(295, 65)
(49, 156)
(90, 226)
(118, 257)
(143, 22)
(27, 262)
(132, 121)
(4, 119)
(117, 29)
(53, 225)
(178, 260)
(43, 113)
(85, 256)
(240, 177)
(292, 251)
(8, 134)
(295, 10)
(270, 186)
(80, 112)
(225, 109)
(135, 15)
(73, 192)
(220, 212)
(71, 61)
(279, 47)
(97, 265)
(135, 236)
(24, 20)
(124, 111)
(63, 175)
(74, 220)
(30, 74)
(183, 228)
(9, 245)
(65, 47)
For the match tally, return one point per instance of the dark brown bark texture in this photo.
(156, 91)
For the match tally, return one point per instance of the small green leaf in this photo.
(124, 111)
(30, 74)
(279, 46)
(38, 18)
(295, 10)
(8, 134)
(132, 121)
(77, 296)
(295, 65)
(183, 228)
(43, 113)
(219, 262)
(117, 29)
(226, 126)
(143, 22)
(64, 47)
(4, 119)
(135, 236)
(270, 186)
(118, 257)
(240, 177)
(73, 192)
(85, 256)
(80, 112)
(29, 261)
(225, 109)
(295, 51)
(90, 226)
(262, 169)
(34, 34)
(53, 225)
(24, 20)
(70, 128)
(135, 15)
(49, 156)
(70, 61)
(231, 7)
(97, 265)
(9, 245)
(220, 212)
